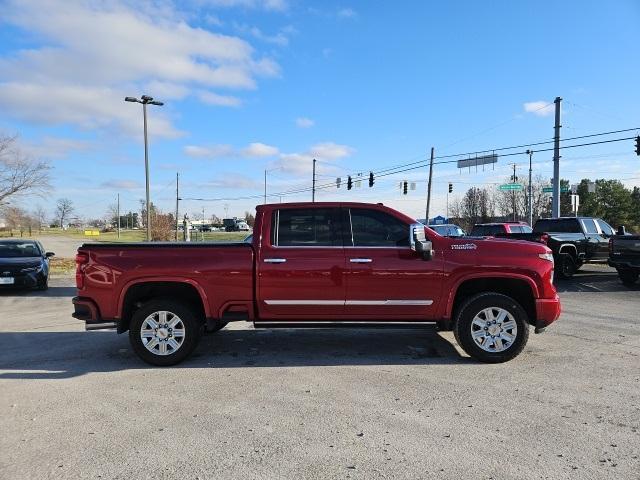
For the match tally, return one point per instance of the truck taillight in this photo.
(610, 245)
(81, 259)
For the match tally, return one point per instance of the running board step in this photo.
(321, 324)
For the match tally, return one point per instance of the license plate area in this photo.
(7, 280)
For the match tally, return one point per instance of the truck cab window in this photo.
(373, 228)
(306, 228)
(589, 226)
(605, 227)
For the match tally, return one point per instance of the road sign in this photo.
(550, 189)
(475, 161)
(511, 186)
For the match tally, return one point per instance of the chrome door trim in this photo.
(351, 302)
(304, 302)
(360, 260)
(275, 260)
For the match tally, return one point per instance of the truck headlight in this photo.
(546, 256)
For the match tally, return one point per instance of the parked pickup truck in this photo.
(624, 255)
(499, 229)
(318, 265)
(574, 241)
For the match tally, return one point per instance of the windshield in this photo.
(22, 249)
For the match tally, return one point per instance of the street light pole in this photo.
(144, 100)
(530, 199)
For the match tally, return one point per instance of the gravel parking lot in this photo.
(323, 403)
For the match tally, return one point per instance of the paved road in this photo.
(323, 403)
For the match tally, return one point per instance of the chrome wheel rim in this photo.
(162, 333)
(494, 329)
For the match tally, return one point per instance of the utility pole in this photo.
(265, 186)
(118, 213)
(202, 226)
(514, 179)
(177, 199)
(555, 206)
(530, 193)
(429, 184)
(313, 190)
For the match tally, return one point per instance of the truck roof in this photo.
(318, 204)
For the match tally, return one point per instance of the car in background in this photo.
(624, 255)
(499, 228)
(24, 264)
(448, 230)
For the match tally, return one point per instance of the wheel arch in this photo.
(519, 287)
(140, 291)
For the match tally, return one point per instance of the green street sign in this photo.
(550, 189)
(511, 186)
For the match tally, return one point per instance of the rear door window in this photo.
(515, 228)
(562, 225)
(373, 228)
(315, 227)
(589, 226)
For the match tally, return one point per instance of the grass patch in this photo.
(131, 235)
(61, 265)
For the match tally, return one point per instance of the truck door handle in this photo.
(361, 260)
(275, 260)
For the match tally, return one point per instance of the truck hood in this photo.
(507, 245)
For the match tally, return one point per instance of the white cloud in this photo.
(54, 147)
(302, 163)
(211, 98)
(86, 107)
(112, 48)
(303, 122)
(274, 5)
(347, 13)
(233, 180)
(258, 149)
(213, 151)
(539, 108)
(279, 38)
(121, 184)
(253, 150)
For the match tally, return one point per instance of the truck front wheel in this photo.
(492, 327)
(566, 265)
(164, 332)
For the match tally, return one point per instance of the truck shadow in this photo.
(59, 355)
(52, 292)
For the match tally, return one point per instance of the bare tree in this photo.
(64, 208)
(249, 218)
(40, 215)
(18, 173)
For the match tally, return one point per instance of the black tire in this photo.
(565, 266)
(628, 277)
(193, 327)
(43, 285)
(464, 327)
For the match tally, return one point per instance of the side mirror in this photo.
(622, 230)
(418, 241)
(49, 254)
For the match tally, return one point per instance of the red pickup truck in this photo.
(318, 265)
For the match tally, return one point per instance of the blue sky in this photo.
(250, 85)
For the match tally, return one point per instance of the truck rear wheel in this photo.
(164, 332)
(492, 327)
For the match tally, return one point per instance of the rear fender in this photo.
(189, 281)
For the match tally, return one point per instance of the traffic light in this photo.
(638, 145)
(405, 185)
(371, 180)
(450, 187)
(349, 183)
